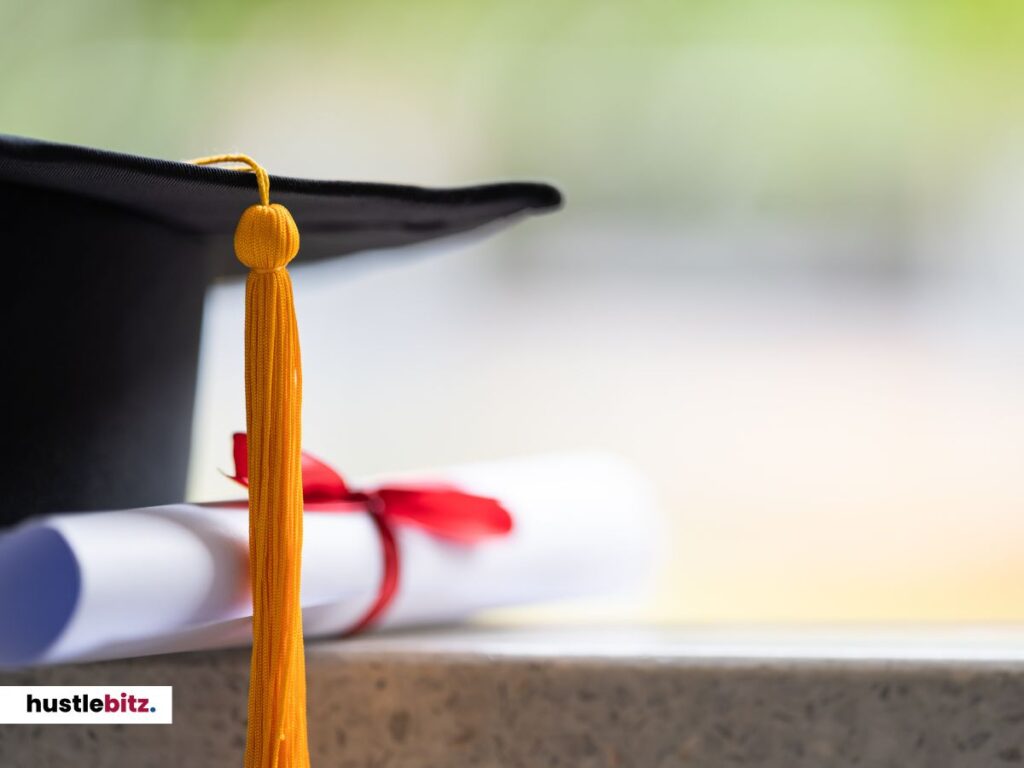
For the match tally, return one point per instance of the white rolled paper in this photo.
(175, 578)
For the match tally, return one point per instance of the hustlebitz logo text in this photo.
(110, 704)
(126, 702)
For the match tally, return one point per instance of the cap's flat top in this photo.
(334, 217)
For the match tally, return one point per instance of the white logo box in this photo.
(93, 704)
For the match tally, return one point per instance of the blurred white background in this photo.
(787, 284)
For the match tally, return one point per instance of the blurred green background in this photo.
(787, 284)
(683, 108)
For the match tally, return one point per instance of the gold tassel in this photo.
(266, 239)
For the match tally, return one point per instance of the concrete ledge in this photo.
(700, 697)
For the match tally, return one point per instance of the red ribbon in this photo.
(441, 510)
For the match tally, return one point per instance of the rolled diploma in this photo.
(174, 578)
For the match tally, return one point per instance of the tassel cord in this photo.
(266, 240)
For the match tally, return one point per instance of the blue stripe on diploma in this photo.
(39, 587)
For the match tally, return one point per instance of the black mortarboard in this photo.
(107, 259)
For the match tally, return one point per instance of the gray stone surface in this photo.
(491, 697)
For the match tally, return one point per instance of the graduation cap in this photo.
(107, 258)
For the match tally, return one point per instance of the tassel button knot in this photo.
(266, 238)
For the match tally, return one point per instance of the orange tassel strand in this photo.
(266, 240)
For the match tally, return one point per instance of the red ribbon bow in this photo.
(441, 510)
